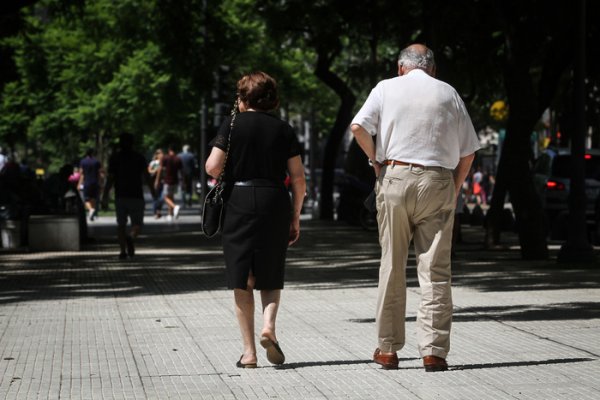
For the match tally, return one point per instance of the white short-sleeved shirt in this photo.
(418, 119)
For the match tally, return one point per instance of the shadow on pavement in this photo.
(518, 364)
(321, 363)
(451, 368)
(178, 259)
(545, 312)
(528, 312)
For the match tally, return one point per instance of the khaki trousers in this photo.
(415, 203)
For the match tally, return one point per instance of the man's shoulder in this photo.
(447, 86)
(387, 82)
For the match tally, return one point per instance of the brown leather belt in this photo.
(396, 162)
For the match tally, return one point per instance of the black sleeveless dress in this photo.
(257, 215)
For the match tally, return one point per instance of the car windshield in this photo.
(562, 167)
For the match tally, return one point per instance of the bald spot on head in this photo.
(418, 48)
(416, 56)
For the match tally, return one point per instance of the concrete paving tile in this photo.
(162, 326)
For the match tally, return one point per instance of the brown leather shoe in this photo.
(386, 360)
(434, 364)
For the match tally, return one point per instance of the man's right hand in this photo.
(377, 168)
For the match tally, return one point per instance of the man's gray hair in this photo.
(412, 58)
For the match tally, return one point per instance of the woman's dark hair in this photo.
(259, 91)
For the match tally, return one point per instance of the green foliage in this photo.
(13, 118)
(90, 70)
(85, 71)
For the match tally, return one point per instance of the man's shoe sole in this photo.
(434, 364)
(387, 366)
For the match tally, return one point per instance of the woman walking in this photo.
(153, 168)
(260, 220)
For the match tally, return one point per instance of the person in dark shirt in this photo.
(189, 167)
(127, 172)
(169, 173)
(90, 179)
(261, 220)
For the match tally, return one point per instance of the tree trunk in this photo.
(514, 169)
(516, 159)
(523, 197)
(343, 119)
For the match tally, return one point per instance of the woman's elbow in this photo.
(212, 169)
(298, 183)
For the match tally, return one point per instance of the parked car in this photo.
(552, 172)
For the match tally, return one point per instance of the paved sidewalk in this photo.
(87, 326)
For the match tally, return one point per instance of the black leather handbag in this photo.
(213, 209)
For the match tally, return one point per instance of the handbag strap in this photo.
(234, 112)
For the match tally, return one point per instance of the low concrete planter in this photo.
(53, 233)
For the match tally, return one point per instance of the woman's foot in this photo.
(274, 353)
(242, 364)
(269, 334)
(245, 359)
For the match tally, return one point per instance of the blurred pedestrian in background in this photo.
(478, 190)
(189, 166)
(90, 169)
(170, 168)
(153, 168)
(127, 170)
(487, 185)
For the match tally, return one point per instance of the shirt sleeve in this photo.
(467, 137)
(220, 140)
(368, 115)
(294, 146)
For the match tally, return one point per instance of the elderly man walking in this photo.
(425, 144)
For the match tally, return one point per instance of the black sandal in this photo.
(240, 364)
(274, 353)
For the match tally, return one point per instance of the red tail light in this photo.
(588, 156)
(553, 185)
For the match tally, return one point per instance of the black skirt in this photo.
(255, 235)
